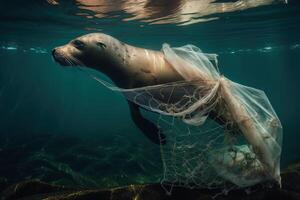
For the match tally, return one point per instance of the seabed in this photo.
(34, 189)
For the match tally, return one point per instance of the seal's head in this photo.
(95, 50)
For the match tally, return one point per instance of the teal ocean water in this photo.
(60, 126)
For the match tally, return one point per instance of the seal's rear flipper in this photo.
(150, 130)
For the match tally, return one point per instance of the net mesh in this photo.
(218, 132)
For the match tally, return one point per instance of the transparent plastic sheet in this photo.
(217, 131)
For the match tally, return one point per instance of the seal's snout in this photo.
(60, 57)
(55, 55)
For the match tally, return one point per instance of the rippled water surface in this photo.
(60, 126)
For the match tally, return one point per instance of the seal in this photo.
(233, 106)
(127, 66)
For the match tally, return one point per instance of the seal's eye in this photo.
(78, 44)
(100, 44)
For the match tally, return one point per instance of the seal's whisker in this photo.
(73, 61)
(76, 61)
(69, 61)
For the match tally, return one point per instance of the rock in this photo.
(31, 188)
(291, 178)
(39, 190)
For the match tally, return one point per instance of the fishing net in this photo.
(218, 132)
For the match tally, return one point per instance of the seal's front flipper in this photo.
(151, 131)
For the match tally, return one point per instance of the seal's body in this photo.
(127, 66)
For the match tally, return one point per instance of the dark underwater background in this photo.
(60, 126)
